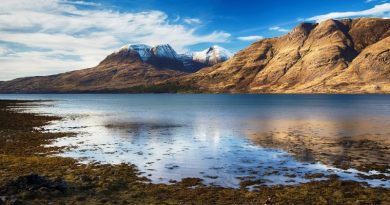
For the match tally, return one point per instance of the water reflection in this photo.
(227, 139)
(343, 143)
(214, 151)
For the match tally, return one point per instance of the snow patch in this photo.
(214, 54)
(165, 51)
(143, 50)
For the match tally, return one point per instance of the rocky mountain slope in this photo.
(132, 65)
(334, 56)
(120, 70)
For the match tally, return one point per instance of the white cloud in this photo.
(176, 19)
(250, 38)
(277, 28)
(84, 3)
(3, 51)
(192, 21)
(382, 10)
(35, 63)
(381, 1)
(51, 36)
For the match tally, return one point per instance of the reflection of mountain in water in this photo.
(343, 143)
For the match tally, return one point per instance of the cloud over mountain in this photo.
(277, 28)
(51, 36)
(250, 38)
(382, 10)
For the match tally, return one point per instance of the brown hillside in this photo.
(333, 56)
(118, 71)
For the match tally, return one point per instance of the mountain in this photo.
(165, 57)
(190, 64)
(160, 56)
(211, 56)
(120, 70)
(334, 56)
(131, 66)
(144, 51)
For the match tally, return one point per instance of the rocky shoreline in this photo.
(29, 174)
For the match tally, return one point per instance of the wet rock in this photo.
(333, 176)
(211, 177)
(290, 175)
(268, 201)
(189, 182)
(33, 183)
(85, 178)
(81, 198)
(10, 200)
(103, 201)
(247, 183)
(171, 167)
(374, 176)
(15, 202)
(314, 175)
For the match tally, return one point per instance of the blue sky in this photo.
(41, 37)
(247, 17)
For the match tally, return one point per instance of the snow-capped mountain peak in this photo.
(164, 56)
(165, 51)
(214, 54)
(143, 50)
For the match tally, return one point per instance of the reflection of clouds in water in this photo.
(207, 130)
(205, 149)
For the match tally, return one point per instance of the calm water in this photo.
(170, 137)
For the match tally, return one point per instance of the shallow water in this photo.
(224, 139)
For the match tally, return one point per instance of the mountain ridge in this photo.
(132, 65)
(310, 59)
(333, 56)
(163, 56)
